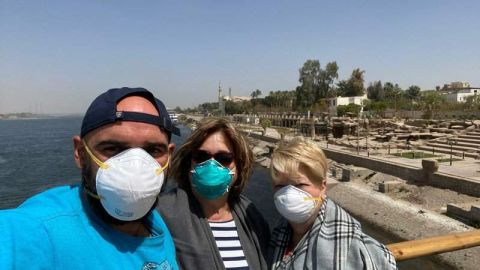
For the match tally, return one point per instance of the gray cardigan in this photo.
(194, 242)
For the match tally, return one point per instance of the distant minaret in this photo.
(219, 90)
(221, 102)
(230, 93)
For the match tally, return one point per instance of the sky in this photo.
(57, 56)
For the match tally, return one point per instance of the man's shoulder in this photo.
(48, 204)
(29, 223)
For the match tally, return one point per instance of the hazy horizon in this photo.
(57, 56)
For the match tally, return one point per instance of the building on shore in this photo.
(173, 115)
(337, 101)
(237, 98)
(458, 91)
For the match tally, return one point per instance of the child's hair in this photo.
(300, 154)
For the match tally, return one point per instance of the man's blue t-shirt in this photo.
(52, 230)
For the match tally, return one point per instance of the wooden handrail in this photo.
(434, 245)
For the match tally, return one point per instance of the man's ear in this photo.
(78, 149)
(171, 148)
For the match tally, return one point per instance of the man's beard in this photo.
(89, 183)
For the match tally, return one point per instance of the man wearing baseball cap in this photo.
(107, 221)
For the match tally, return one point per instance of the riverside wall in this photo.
(412, 174)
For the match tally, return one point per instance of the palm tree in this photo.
(255, 94)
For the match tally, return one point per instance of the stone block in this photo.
(355, 173)
(429, 165)
(333, 170)
(336, 172)
(456, 211)
(388, 186)
(346, 174)
(475, 213)
(464, 212)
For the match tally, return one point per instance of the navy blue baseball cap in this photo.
(103, 111)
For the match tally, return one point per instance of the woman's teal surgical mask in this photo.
(211, 179)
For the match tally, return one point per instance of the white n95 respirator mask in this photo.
(128, 183)
(294, 204)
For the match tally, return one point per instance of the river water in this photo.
(38, 154)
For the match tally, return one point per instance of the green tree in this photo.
(233, 107)
(178, 109)
(316, 83)
(392, 91)
(329, 76)
(255, 94)
(288, 99)
(393, 95)
(246, 106)
(265, 123)
(376, 107)
(309, 79)
(357, 81)
(351, 108)
(413, 95)
(280, 101)
(320, 106)
(208, 107)
(431, 102)
(413, 92)
(343, 88)
(303, 98)
(472, 103)
(376, 91)
(353, 86)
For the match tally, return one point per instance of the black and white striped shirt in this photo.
(229, 245)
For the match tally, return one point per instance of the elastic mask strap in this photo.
(96, 196)
(160, 170)
(312, 199)
(316, 200)
(94, 158)
(232, 171)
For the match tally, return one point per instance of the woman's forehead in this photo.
(216, 141)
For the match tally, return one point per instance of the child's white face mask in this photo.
(295, 204)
